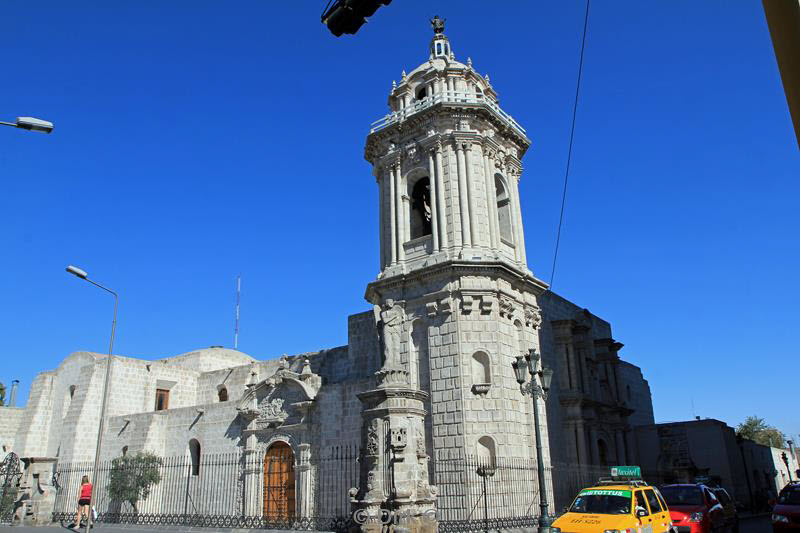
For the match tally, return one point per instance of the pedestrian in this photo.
(84, 501)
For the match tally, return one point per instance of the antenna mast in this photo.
(236, 326)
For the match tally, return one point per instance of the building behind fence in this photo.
(475, 494)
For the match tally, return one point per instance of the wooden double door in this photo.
(279, 482)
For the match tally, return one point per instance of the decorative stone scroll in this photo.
(533, 317)
(506, 305)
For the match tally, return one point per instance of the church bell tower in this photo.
(454, 302)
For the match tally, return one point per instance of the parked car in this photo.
(694, 508)
(786, 513)
(729, 508)
(616, 506)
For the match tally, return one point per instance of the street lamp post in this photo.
(31, 124)
(84, 276)
(536, 389)
(788, 468)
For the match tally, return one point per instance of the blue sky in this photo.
(198, 140)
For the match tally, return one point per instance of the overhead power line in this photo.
(571, 137)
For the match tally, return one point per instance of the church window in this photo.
(438, 49)
(162, 399)
(421, 208)
(222, 394)
(124, 451)
(503, 210)
(421, 93)
(194, 454)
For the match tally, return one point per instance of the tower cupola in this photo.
(447, 161)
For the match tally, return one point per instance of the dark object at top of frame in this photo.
(347, 16)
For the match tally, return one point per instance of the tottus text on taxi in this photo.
(623, 508)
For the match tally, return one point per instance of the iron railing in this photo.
(232, 490)
(461, 98)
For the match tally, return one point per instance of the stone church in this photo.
(427, 371)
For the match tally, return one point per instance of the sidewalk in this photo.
(120, 528)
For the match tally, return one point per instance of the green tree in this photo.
(757, 430)
(133, 476)
(2, 395)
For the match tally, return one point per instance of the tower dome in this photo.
(447, 161)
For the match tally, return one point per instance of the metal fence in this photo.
(10, 474)
(216, 490)
(482, 494)
(258, 491)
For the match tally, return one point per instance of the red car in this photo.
(786, 513)
(693, 508)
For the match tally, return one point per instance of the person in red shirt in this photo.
(84, 501)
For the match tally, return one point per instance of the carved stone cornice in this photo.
(519, 279)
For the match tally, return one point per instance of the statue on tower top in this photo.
(437, 24)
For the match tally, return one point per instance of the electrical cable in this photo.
(571, 137)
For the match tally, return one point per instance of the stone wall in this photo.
(10, 422)
(636, 394)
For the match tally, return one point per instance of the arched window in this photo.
(421, 208)
(422, 93)
(194, 454)
(503, 210)
(222, 394)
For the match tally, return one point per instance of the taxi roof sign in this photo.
(626, 472)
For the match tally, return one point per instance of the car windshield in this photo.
(599, 501)
(789, 497)
(677, 496)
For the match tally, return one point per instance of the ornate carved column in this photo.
(471, 198)
(620, 445)
(434, 206)
(392, 215)
(514, 179)
(593, 443)
(466, 237)
(630, 448)
(306, 498)
(440, 197)
(491, 200)
(380, 174)
(400, 210)
(253, 461)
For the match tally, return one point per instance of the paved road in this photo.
(56, 528)
(759, 524)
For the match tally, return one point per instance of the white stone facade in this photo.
(454, 305)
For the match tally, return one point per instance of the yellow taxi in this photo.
(616, 506)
